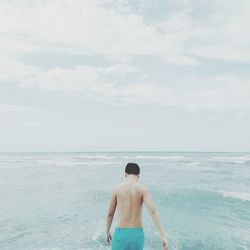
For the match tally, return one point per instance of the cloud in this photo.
(85, 27)
(222, 34)
(28, 123)
(113, 29)
(14, 71)
(188, 33)
(80, 78)
(108, 84)
(15, 108)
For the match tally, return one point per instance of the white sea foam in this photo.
(232, 159)
(237, 195)
(100, 163)
(190, 167)
(193, 163)
(94, 156)
(194, 166)
(156, 157)
(159, 157)
(69, 162)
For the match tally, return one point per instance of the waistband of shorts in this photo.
(129, 228)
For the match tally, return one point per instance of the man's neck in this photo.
(131, 178)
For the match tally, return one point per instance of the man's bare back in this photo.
(129, 204)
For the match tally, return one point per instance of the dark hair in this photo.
(132, 168)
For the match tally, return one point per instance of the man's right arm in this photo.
(147, 199)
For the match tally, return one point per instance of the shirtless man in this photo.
(129, 197)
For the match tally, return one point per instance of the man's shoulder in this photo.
(121, 186)
(117, 188)
(143, 187)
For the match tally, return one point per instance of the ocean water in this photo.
(59, 200)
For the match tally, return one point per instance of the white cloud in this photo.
(95, 27)
(85, 27)
(15, 108)
(80, 78)
(226, 35)
(107, 84)
(90, 27)
(14, 71)
(28, 123)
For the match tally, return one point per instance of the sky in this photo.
(124, 75)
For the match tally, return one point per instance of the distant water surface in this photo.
(58, 201)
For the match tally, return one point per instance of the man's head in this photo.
(132, 168)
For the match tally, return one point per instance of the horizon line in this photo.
(122, 151)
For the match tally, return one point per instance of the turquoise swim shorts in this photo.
(128, 238)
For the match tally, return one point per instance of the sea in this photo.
(59, 201)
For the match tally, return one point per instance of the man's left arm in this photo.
(110, 215)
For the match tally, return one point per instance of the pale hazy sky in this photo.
(112, 75)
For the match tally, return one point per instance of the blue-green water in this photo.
(59, 200)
